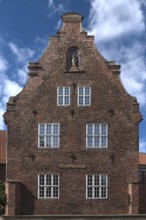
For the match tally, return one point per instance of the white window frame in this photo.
(93, 136)
(63, 95)
(84, 96)
(49, 189)
(51, 136)
(92, 188)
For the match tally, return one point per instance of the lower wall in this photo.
(67, 217)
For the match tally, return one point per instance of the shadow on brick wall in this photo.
(27, 202)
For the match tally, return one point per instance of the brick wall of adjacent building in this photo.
(142, 183)
(37, 103)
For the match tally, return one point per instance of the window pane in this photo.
(96, 142)
(87, 91)
(96, 129)
(60, 100)
(48, 141)
(81, 101)
(96, 180)
(96, 192)
(55, 192)
(103, 180)
(103, 129)
(87, 102)
(90, 141)
(48, 192)
(89, 180)
(60, 91)
(42, 141)
(55, 129)
(66, 100)
(81, 91)
(55, 141)
(103, 192)
(42, 129)
(66, 91)
(89, 192)
(41, 179)
(48, 129)
(89, 128)
(41, 192)
(55, 180)
(48, 180)
(103, 141)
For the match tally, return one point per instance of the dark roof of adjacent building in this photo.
(3, 144)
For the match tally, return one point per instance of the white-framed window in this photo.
(84, 96)
(97, 186)
(63, 96)
(96, 135)
(48, 185)
(48, 135)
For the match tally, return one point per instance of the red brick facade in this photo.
(3, 146)
(72, 160)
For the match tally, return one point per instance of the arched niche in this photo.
(72, 58)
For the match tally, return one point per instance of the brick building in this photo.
(72, 133)
(142, 182)
(3, 144)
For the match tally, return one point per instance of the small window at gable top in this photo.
(72, 58)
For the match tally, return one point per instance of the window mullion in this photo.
(106, 135)
(45, 135)
(93, 186)
(52, 177)
(63, 95)
(100, 136)
(100, 185)
(44, 186)
(52, 126)
(83, 95)
(93, 139)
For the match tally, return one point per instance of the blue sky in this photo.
(119, 28)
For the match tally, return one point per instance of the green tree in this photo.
(2, 198)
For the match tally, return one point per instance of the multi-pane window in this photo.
(96, 186)
(48, 135)
(48, 185)
(96, 135)
(84, 96)
(63, 96)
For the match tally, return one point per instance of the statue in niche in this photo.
(72, 58)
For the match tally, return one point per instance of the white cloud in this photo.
(117, 26)
(3, 64)
(8, 88)
(110, 19)
(55, 8)
(22, 74)
(133, 74)
(142, 146)
(21, 54)
(2, 124)
(50, 3)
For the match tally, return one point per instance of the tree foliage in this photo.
(2, 198)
